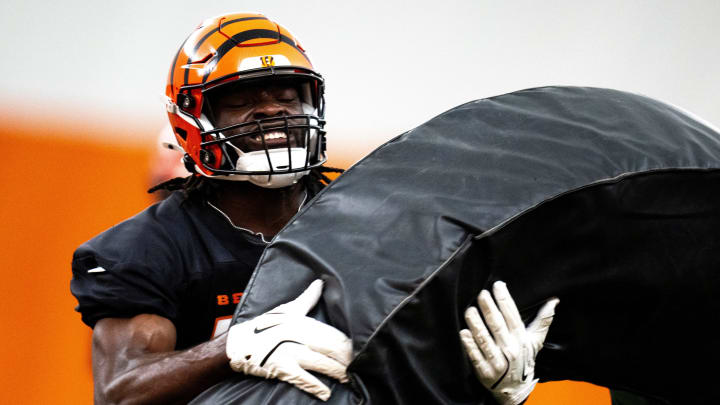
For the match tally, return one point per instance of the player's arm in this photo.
(135, 362)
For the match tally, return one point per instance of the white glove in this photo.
(505, 361)
(283, 343)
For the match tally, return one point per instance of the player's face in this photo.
(255, 102)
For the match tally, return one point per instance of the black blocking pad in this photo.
(637, 284)
(607, 200)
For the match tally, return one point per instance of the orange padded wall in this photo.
(56, 194)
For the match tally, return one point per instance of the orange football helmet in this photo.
(238, 49)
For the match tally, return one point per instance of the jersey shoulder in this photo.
(154, 230)
(137, 266)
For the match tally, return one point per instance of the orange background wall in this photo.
(57, 192)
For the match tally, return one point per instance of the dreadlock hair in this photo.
(196, 184)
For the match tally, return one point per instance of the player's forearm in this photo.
(168, 377)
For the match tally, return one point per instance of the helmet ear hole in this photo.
(207, 157)
(185, 101)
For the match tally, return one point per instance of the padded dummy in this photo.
(605, 199)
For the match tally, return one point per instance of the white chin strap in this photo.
(258, 161)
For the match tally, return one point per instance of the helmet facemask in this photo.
(269, 151)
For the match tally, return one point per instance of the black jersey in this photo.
(180, 259)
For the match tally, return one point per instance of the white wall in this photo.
(389, 65)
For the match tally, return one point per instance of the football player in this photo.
(159, 289)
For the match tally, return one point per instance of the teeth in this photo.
(271, 135)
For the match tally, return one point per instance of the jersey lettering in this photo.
(236, 297)
(224, 299)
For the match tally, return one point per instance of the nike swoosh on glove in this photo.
(283, 343)
(504, 356)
